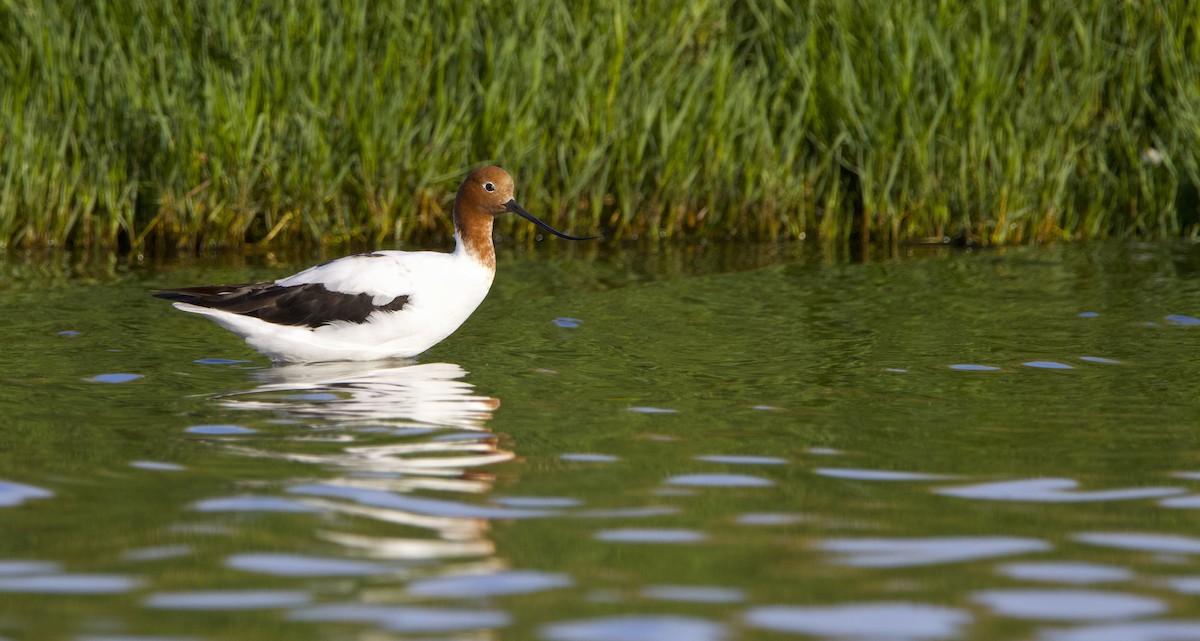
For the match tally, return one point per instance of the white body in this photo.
(442, 289)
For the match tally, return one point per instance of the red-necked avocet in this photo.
(383, 304)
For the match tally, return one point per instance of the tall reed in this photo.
(190, 124)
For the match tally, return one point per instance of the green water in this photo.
(668, 443)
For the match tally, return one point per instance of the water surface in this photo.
(655, 443)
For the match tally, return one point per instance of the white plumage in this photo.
(444, 289)
(385, 304)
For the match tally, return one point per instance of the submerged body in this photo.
(384, 304)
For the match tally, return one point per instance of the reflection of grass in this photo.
(223, 122)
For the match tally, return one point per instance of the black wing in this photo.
(309, 304)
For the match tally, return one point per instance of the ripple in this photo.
(413, 431)
(157, 553)
(1185, 584)
(1100, 359)
(218, 361)
(892, 621)
(652, 410)
(694, 593)
(877, 475)
(536, 501)
(156, 466)
(1140, 631)
(628, 512)
(416, 505)
(10, 568)
(17, 493)
(1047, 365)
(252, 504)
(220, 430)
(114, 378)
(772, 518)
(467, 586)
(227, 600)
(302, 565)
(971, 367)
(1087, 314)
(743, 460)
(404, 618)
(1051, 490)
(1182, 321)
(635, 628)
(1189, 502)
(896, 553)
(1068, 605)
(584, 457)
(67, 583)
(462, 436)
(1065, 572)
(567, 322)
(650, 535)
(1159, 543)
(719, 480)
(315, 396)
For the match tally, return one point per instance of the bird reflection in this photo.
(389, 434)
(429, 394)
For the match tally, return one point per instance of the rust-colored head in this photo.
(486, 193)
(486, 190)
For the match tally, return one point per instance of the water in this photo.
(704, 444)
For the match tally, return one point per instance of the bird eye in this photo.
(489, 186)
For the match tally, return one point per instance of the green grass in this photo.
(196, 124)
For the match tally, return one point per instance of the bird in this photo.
(375, 305)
